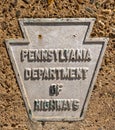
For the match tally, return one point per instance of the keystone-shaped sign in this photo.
(56, 65)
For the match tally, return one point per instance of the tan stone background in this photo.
(101, 109)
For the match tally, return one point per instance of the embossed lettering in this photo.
(55, 55)
(75, 105)
(68, 73)
(55, 89)
(56, 104)
(24, 54)
(88, 55)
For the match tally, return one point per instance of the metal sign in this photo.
(56, 65)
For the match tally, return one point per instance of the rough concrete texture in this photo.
(101, 109)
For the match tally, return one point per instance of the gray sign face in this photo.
(56, 65)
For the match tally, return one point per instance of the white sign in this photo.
(56, 66)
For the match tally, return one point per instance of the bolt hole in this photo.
(40, 36)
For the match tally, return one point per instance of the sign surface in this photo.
(56, 65)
